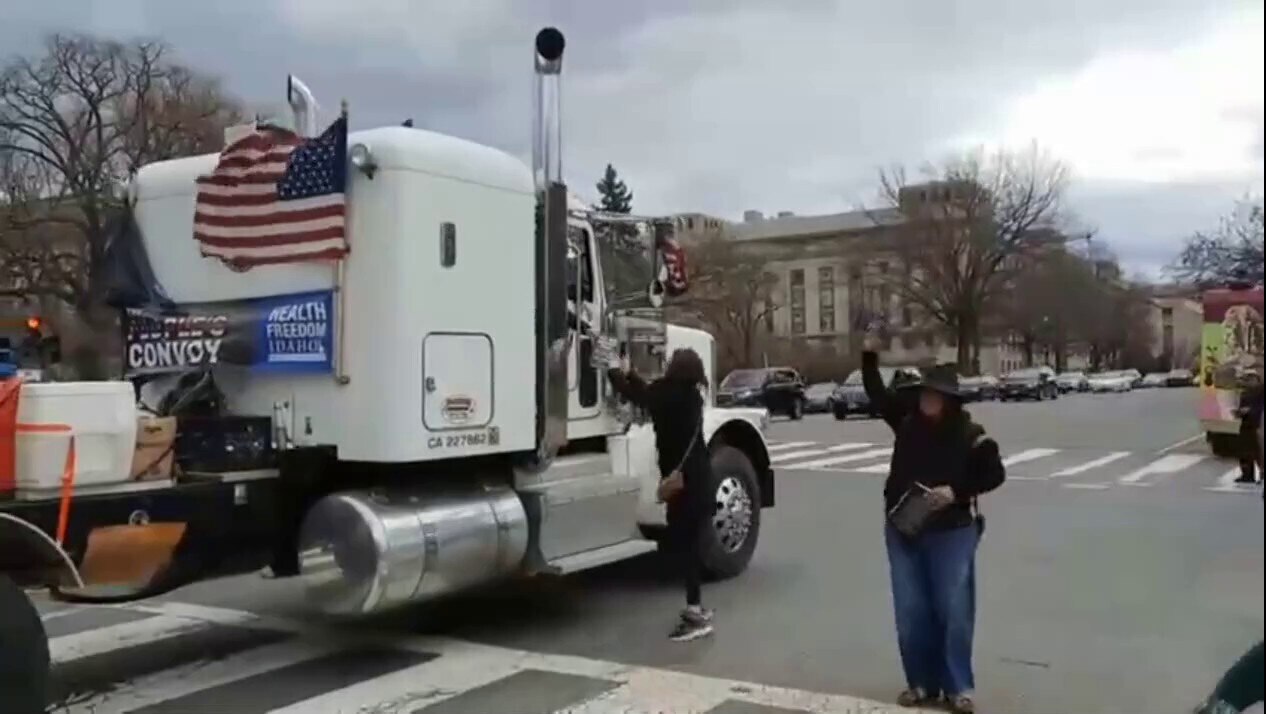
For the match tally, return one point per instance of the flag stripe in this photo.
(336, 250)
(208, 208)
(239, 219)
(229, 200)
(268, 178)
(323, 229)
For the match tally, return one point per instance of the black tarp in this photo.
(127, 277)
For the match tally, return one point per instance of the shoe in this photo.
(916, 698)
(962, 704)
(693, 624)
(1245, 479)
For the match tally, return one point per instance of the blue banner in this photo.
(279, 334)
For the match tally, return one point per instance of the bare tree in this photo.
(1113, 316)
(75, 123)
(965, 231)
(1231, 254)
(730, 292)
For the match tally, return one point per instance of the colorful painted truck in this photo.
(1230, 356)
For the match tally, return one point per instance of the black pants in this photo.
(1249, 458)
(683, 540)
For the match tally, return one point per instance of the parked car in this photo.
(1151, 380)
(1119, 381)
(817, 397)
(850, 396)
(780, 390)
(1179, 378)
(1076, 381)
(1136, 377)
(1036, 383)
(984, 388)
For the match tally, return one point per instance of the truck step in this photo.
(600, 556)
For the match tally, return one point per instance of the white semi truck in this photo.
(464, 434)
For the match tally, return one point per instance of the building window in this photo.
(826, 299)
(797, 301)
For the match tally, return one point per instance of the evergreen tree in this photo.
(616, 196)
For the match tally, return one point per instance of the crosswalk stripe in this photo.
(155, 691)
(779, 458)
(880, 468)
(833, 460)
(1092, 464)
(328, 669)
(1167, 464)
(785, 445)
(1029, 455)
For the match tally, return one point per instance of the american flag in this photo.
(275, 197)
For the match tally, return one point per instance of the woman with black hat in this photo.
(941, 461)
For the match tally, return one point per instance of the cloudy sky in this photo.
(724, 105)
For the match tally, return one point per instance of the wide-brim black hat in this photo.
(941, 378)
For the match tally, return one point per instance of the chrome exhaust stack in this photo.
(552, 333)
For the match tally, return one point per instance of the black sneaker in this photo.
(692, 625)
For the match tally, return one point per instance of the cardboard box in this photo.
(155, 448)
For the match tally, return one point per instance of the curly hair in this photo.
(685, 366)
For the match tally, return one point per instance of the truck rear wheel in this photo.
(24, 659)
(729, 536)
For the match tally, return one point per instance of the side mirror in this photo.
(655, 294)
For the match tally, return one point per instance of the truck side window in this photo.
(448, 245)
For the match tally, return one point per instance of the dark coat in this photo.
(676, 411)
(953, 452)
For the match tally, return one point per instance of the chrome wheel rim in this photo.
(732, 514)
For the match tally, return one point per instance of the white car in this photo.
(1112, 382)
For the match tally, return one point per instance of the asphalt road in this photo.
(1121, 572)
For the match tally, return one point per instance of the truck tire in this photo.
(732, 527)
(24, 659)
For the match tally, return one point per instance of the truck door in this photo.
(584, 305)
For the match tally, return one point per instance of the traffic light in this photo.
(34, 325)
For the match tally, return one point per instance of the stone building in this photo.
(831, 269)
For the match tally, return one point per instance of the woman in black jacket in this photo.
(939, 451)
(676, 410)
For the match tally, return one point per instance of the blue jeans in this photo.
(934, 597)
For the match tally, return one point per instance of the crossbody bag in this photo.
(675, 482)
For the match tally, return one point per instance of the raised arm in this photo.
(630, 386)
(892, 410)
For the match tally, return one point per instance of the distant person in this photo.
(675, 405)
(1250, 413)
(942, 457)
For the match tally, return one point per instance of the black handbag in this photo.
(910, 514)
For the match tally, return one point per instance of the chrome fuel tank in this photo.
(363, 552)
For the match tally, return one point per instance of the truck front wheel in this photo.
(732, 528)
(24, 659)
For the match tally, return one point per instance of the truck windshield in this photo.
(628, 260)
